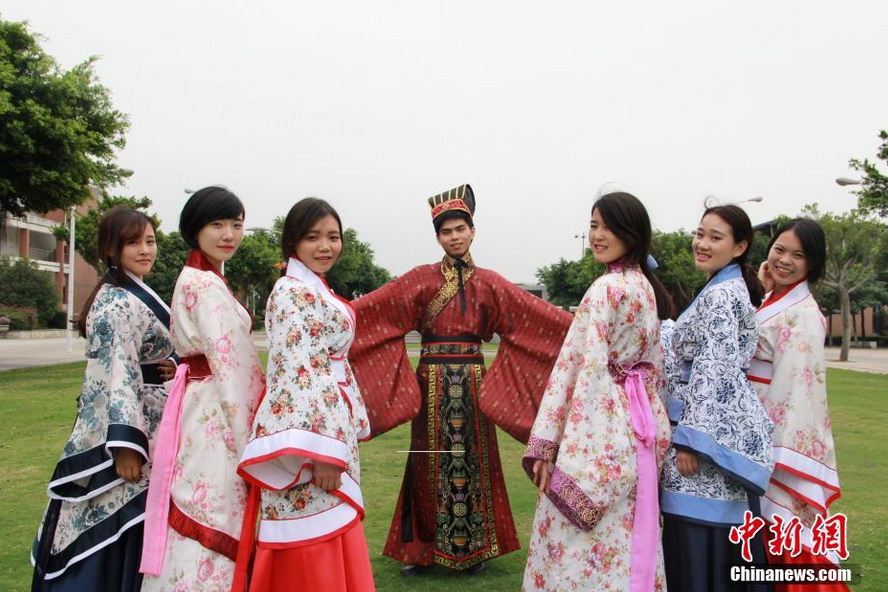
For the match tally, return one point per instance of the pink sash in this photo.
(645, 529)
(157, 508)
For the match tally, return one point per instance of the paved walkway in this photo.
(32, 353)
(861, 360)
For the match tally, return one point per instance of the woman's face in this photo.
(787, 262)
(714, 246)
(138, 254)
(220, 239)
(606, 247)
(320, 248)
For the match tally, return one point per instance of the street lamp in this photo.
(582, 237)
(712, 201)
(70, 324)
(843, 181)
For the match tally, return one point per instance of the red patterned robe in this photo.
(453, 508)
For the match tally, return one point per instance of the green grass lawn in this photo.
(37, 409)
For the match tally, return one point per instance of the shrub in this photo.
(22, 284)
(22, 318)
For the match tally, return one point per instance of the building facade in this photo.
(30, 237)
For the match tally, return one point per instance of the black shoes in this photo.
(476, 569)
(408, 569)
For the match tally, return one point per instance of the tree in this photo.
(172, 251)
(873, 195)
(252, 272)
(854, 246)
(677, 269)
(356, 273)
(59, 131)
(23, 285)
(567, 281)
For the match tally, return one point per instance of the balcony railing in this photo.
(41, 254)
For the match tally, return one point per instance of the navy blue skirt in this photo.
(698, 557)
(114, 568)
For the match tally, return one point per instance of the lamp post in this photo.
(582, 237)
(843, 181)
(70, 324)
(712, 201)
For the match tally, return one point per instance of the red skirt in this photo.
(340, 564)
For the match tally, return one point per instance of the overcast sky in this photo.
(376, 106)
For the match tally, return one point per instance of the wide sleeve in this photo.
(110, 414)
(378, 356)
(531, 333)
(303, 418)
(721, 417)
(579, 364)
(804, 451)
(127, 425)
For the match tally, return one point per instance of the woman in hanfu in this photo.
(601, 432)
(788, 373)
(721, 457)
(303, 452)
(196, 500)
(91, 536)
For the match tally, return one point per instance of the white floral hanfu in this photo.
(789, 375)
(92, 509)
(222, 381)
(717, 414)
(610, 368)
(313, 411)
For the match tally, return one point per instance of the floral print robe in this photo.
(313, 411)
(789, 376)
(116, 408)
(716, 412)
(584, 428)
(207, 495)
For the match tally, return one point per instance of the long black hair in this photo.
(810, 234)
(119, 226)
(628, 219)
(741, 229)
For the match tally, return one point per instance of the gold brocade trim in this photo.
(444, 388)
(432, 427)
(450, 288)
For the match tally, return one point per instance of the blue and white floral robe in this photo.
(117, 408)
(713, 407)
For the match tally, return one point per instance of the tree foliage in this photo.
(23, 285)
(172, 252)
(59, 131)
(356, 273)
(873, 194)
(252, 272)
(677, 269)
(567, 281)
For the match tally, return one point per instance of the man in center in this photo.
(453, 509)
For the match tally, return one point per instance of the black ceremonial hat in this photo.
(461, 199)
